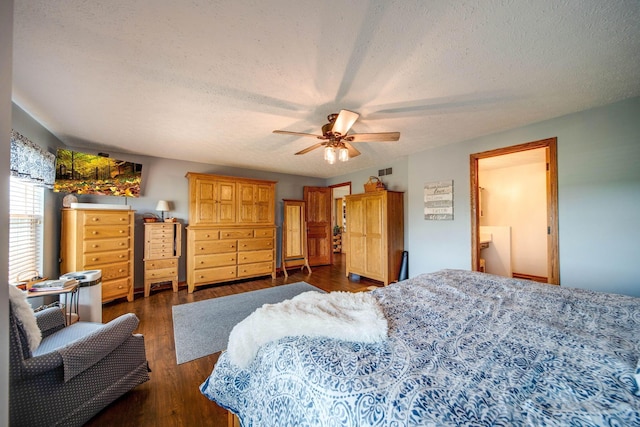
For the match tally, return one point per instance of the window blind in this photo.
(26, 206)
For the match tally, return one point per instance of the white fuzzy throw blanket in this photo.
(341, 315)
(24, 313)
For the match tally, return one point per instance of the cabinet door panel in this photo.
(226, 202)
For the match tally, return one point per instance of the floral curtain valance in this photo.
(30, 162)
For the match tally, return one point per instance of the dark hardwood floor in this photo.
(172, 397)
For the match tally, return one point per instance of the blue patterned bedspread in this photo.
(464, 349)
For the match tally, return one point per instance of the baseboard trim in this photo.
(529, 277)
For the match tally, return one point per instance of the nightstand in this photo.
(162, 249)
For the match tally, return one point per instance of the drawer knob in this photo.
(121, 231)
(95, 246)
(94, 233)
(94, 219)
(95, 259)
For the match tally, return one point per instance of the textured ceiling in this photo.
(208, 81)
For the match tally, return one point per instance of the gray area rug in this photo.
(202, 328)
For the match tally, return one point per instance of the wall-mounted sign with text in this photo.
(438, 200)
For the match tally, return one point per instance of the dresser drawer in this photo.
(216, 274)
(247, 270)
(97, 259)
(255, 256)
(254, 244)
(205, 234)
(264, 232)
(160, 253)
(105, 245)
(115, 271)
(206, 261)
(110, 218)
(160, 235)
(161, 263)
(102, 232)
(161, 273)
(236, 233)
(214, 247)
(115, 289)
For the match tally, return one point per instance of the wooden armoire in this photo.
(231, 233)
(375, 235)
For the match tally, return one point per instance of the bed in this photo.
(463, 348)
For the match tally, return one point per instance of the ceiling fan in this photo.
(337, 141)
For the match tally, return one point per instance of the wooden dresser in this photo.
(375, 235)
(231, 232)
(92, 239)
(162, 249)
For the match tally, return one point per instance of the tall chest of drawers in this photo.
(162, 247)
(231, 233)
(92, 239)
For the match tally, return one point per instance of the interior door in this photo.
(553, 266)
(318, 204)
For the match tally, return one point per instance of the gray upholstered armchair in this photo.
(76, 370)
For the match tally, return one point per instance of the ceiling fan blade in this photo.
(373, 137)
(352, 151)
(313, 147)
(345, 120)
(286, 132)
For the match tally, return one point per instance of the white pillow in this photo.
(24, 313)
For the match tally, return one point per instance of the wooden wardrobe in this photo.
(231, 232)
(375, 235)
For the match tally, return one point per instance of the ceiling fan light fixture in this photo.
(330, 154)
(343, 154)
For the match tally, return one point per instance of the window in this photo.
(26, 206)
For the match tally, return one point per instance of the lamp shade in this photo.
(330, 155)
(162, 206)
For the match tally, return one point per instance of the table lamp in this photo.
(163, 206)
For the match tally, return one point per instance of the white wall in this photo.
(6, 41)
(598, 200)
(516, 197)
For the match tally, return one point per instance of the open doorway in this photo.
(525, 235)
(338, 217)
